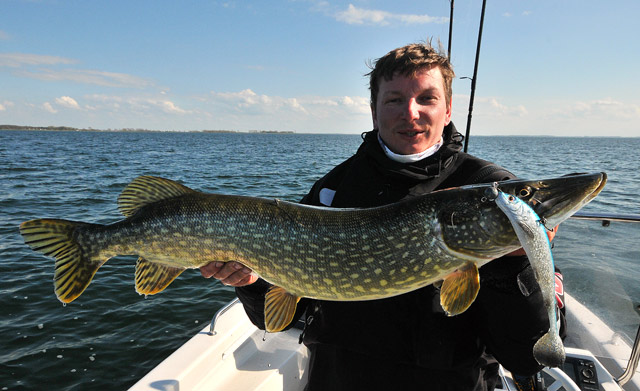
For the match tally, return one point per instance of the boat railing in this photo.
(606, 219)
(633, 362)
(218, 314)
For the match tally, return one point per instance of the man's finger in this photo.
(210, 269)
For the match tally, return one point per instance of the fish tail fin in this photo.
(549, 350)
(74, 268)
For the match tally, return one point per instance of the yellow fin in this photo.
(145, 190)
(460, 289)
(279, 309)
(152, 278)
(74, 270)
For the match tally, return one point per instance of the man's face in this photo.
(411, 112)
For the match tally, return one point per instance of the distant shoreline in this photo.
(127, 130)
(139, 130)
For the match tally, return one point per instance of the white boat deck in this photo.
(238, 357)
(241, 357)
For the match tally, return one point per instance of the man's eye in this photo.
(428, 98)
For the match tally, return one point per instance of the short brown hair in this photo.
(409, 60)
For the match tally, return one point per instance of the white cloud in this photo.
(606, 108)
(247, 109)
(491, 107)
(51, 68)
(517, 110)
(507, 115)
(101, 78)
(169, 107)
(358, 104)
(137, 105)
(68, 102)
(303, 108)
(355, 15)
(5, 104)
(47, 107)
(16, 60)
(249, 102)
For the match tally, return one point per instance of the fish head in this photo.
(473, 226)
(555, 200)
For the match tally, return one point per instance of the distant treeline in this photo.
(70, 129)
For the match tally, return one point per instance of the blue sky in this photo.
(566, 68)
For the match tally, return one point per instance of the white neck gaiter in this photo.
(410, 158)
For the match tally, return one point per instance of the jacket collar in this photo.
(429, 167)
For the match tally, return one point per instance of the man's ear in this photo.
(449, 108)
(373, 116)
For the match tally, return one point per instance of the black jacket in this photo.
(408, 342)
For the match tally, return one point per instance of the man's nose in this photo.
(412, 110)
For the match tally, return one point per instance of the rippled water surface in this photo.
(111, 336)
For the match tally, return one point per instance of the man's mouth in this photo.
(409, 133)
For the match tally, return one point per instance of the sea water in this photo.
(110, 336)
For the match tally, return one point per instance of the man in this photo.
(408, 342)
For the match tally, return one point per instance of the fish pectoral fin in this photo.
(279, 309)
(460, 289)
(152, 278)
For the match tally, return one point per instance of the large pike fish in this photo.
(306, 251)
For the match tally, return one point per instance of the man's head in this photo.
(411, 98)
(407, 61)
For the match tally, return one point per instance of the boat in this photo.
(232, 354)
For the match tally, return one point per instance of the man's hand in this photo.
(520, 251)
(229, 273)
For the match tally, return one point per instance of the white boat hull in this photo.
(238, 356)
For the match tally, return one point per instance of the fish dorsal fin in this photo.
(145, 190)
(279, 309)
(459, 289)
(152, 278)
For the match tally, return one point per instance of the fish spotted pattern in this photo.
(305, 251)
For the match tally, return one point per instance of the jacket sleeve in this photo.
(510, 322)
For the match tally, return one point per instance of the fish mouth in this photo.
(555, 200)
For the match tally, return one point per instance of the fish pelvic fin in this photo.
(145, 190)
(279, 309)
(549, 350)
(74, 269)
(459, 289)
(152, 278)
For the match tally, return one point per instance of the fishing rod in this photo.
(474, 78)
(450, 30)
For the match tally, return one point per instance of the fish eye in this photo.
(511, 198)
(524, 192)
